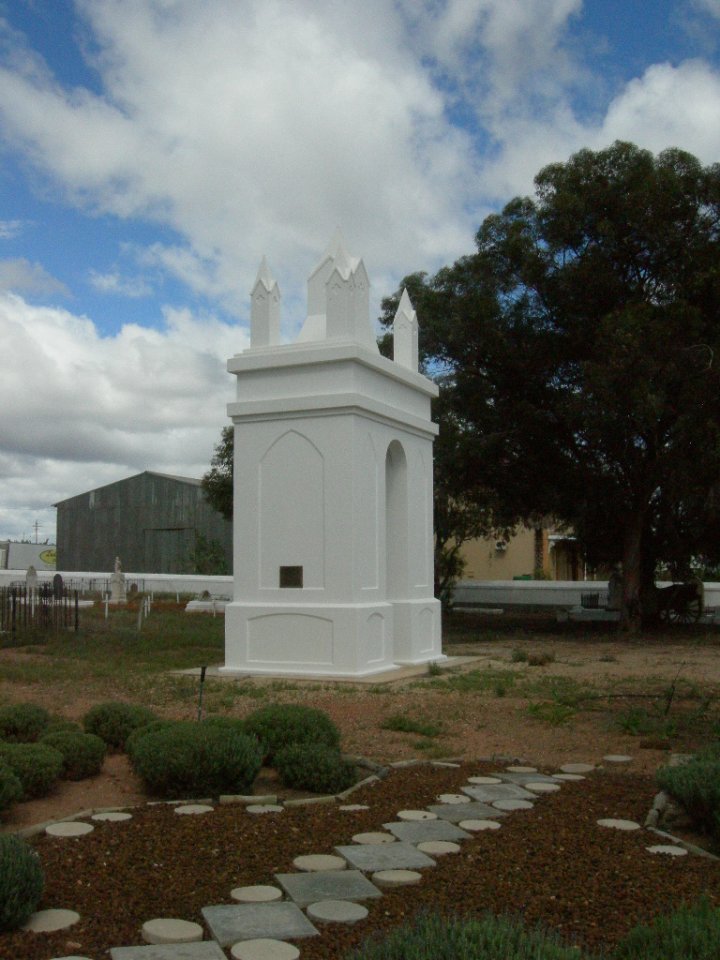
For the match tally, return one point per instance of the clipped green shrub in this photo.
(23, 722)
(314, 766)
(696, 786)
(432, 937)
(187, 759)
(21, 881)
(135, 737)
(688, 933)
(55, 726)
(115, 721)
(36, 765)
(278, 725)
(83, 753)
(10, 787)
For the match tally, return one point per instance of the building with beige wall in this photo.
(531, 552)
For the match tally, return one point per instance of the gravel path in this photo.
(552, 864)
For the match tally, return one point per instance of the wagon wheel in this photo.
(687, 611)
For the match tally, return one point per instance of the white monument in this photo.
(118, 592)
(333, 538)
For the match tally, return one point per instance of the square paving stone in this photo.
(427, 830)
(455, 812)
(385, 856)
(251, 921)
(204, 950)
(489, 792)
(307, 888)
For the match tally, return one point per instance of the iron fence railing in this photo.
(42, 609)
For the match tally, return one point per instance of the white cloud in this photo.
(708, 6)
(9, 229)
(21, 275)
(133, 287)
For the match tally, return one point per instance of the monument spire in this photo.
(265, 309)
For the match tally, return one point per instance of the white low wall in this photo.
(88, 580)
(555, 594)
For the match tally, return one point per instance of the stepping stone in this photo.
(430, 830)
(375, 837)
(670, 849)
(337, 911)
(454, 813)
(438, 848)
(445, 763)
(542, 787)
(306, 888)
(577, 767)
(352, 807)
(193, 809)
(171, 930)
(617, 758)
(500, 791)
(264, 808)
(453, 798)
(260, 893)
(476, 825)
(112, 816)
(73, 957)
(69, 828)
(521, 769)
(513, 804)
(253, 921)
(396, 878)
(319, 861)
(569, 776)
(385, 856)
(619, 824)
(523, 779)
(264, 949)
(479, 780)
(416, 815)
(206, 950)
(47, 921)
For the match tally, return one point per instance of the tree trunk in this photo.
(631, 611)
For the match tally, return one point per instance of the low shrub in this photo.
(688, 933)
(278, 725)
(55, 726)
(403, 724)
(114, 721)
(23, 722)
(314, 766)
(187, 759)
(83, 753)
(432, 937)
(10, 787)
(21, 881)
(36, 765)
(135, 737)
(696, 785)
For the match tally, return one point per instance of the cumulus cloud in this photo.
(114, 283)
(21, 275)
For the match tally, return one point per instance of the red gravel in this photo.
(552, 864)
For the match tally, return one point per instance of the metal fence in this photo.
(37, 610)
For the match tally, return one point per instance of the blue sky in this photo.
(152, 151)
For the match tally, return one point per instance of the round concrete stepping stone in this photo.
(171, 930)
(48, 921)
(569, 776)
(260, 893)
(619, 824)
(264, 949)
(475, 825)
(670, 849)
(484, 780)
(396, 878)
(617, 758)
(312, 862)
(445, 763)
(73, 957)
(453, 798)
(69, 828)
(521, 769)
(112, 816)
(577, 767)
(416, 815)
(373, 837)
(539, 787)
(337, 911)
(193, 809)
(438, 848)
(352, 807)
(260, 808)
(512, 804)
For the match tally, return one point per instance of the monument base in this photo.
(332, 640)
